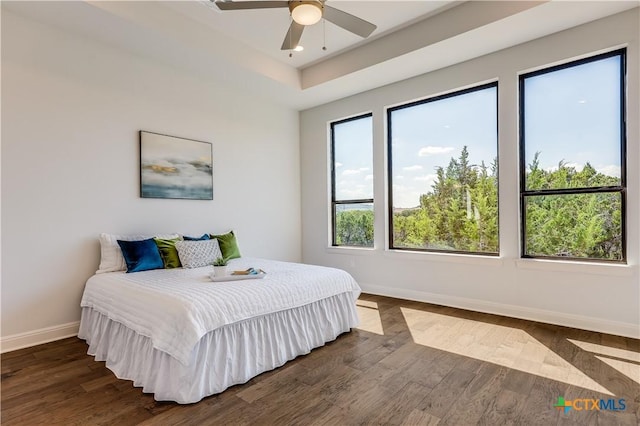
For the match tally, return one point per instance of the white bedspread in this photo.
(176, 307)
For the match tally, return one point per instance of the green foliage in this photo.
(460, 213)
(354, 228)
(220, 261)
(575, 225)
(566, 177)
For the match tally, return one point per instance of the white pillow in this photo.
(194, 254)
(111, 259)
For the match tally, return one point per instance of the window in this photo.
(572, 160)
(443, 173)
(352, 181)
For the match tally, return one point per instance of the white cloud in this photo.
(610, 170)
(427, 178)
(406, 197)
(434, 150)
(352, 193)
(350, 172)
(368, 177)
(576, 166)
(338, 164)
(399, 177)
(407, 192)
(412, 168)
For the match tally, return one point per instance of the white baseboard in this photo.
(37, 337)
(531, 314)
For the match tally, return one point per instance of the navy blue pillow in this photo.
(204, 237)
(141, 255)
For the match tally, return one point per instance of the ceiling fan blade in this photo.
(293, 36)
(348, 21)
(238, 5)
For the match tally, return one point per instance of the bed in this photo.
(182, 337)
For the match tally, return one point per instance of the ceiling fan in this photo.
(304, 13)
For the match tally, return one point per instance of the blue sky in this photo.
(571, 115)
(429, 135)
(574, 115)
(354, 159)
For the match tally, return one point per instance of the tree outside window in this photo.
(443, 173)
(352, 181)
(572, 148)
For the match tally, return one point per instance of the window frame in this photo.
(390, 110)
(334, 202)
(621, 188)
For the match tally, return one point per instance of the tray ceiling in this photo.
(242, 48)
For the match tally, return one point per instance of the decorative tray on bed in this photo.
(249, 274)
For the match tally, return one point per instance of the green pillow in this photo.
(168, 252)
(228, 245)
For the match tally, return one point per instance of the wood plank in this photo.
(504, 409)
(480, 394)
(472, 368)
(399, 403)
(443, 396)
(538, 407)
(419, 417)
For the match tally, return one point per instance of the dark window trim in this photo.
(567, 191)
(335, 202)
(622, 188)
(493, 84)
(356, 201)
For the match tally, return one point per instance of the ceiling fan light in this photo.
(306, 13)
(298, 48)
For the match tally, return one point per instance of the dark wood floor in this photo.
(432, 365)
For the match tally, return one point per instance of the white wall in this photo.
(598, 297)
(71, 112)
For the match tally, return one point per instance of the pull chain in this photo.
(324, 34)
(290, 47)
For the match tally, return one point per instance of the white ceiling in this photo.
(264, 29)
(242, 48)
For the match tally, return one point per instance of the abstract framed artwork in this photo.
(173, 167)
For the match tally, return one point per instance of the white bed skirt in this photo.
(224, 357)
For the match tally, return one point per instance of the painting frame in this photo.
(172, 167)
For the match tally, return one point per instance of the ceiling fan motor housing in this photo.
(309, 12)
(295, 3)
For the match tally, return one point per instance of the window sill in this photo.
(357, 251)
(610, 269)
(468, 259)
